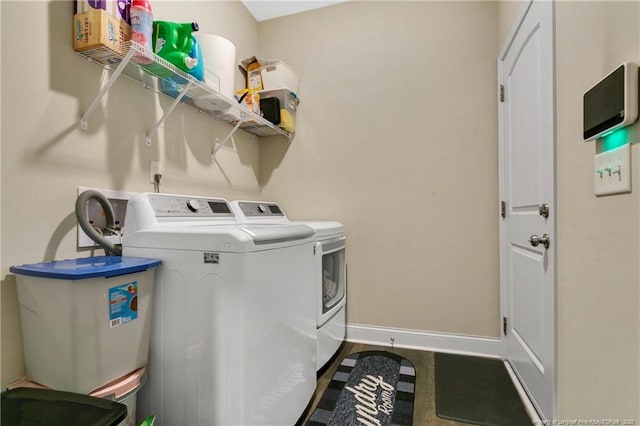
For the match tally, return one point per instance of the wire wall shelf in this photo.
(156, 74)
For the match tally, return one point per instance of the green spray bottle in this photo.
(173, 42)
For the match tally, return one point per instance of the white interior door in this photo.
(527, 183)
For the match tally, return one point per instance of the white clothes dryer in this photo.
(329, 278)
(331, 272)
(232, 341)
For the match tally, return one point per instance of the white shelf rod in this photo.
(114, 76)
(229, 135)
(175, 103)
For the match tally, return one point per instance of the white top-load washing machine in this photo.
(232, 338)
(329, 278)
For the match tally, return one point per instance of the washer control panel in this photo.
(183, 206)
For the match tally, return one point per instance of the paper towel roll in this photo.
(219, 59)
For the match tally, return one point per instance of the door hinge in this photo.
(504, 325)
(502, 93)
(503, 209)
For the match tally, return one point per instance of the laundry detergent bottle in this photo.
(198, 70)
(142, 28)
(173, 42)
(196, 53)
(171, 85)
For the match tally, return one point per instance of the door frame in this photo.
(504, 290)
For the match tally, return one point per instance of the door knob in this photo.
(543, 210)
(535, 240)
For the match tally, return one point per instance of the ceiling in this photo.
(263, 10)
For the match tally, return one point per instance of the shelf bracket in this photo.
(84, 125)
(166, 114)
(219, 145)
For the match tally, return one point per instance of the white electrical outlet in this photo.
(612, 171)
(154, 169)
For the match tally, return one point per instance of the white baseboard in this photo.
(424, 340)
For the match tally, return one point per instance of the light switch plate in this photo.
(612, 171)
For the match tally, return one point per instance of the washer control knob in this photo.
(194, 205)
(262, 208)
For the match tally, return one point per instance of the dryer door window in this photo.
(333, 279)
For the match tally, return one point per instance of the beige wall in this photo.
(598, 238)
(508, 12)
(397, 139)
(45, 156)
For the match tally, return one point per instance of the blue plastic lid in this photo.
(86, 267)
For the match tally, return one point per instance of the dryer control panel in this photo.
(184, 206)
(254, 208)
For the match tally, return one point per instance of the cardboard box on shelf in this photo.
(100, 29)
(250, 99)
(254, 79)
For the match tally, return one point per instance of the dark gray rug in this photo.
(372, 387)
(478, 391)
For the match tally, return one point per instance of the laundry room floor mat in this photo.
(368, 388)
(477, 390)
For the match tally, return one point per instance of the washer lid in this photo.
(271, 234)
(232, 238)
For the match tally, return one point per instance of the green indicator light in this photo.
(615, 139)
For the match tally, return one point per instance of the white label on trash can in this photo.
(123, 304)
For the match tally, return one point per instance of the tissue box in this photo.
(101, 28)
